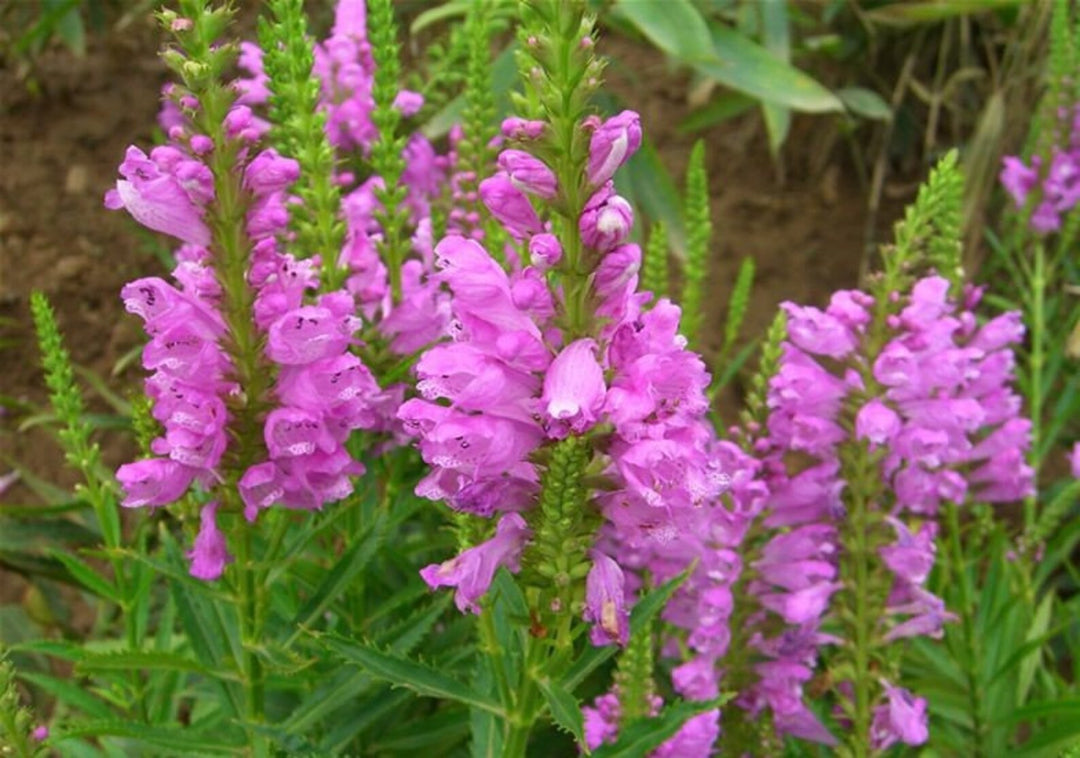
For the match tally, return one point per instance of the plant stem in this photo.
(250, 633)
(522, 718)
(958, 564)
(1037, 362)
(857, 541)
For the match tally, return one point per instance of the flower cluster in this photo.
(935, 411)
(515, 379)
(198, 332)
(1058, 190)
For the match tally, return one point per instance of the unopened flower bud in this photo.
(606, 220)
(528, 173)
(612, 144)
(545, 251)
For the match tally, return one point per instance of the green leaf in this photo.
(776, 37)
(647, 184)
(503, 78)
(436, 734)
(171, 740)
(401, 672)
(87, 576)
(142, 659)
(722, 107)
(674, 26)
(439, 13)
(70, 694)
(864, 102)
(344, 572)
(565, 709)
(1033, 659)
(933, 11)
(745, 66)
(642, 736)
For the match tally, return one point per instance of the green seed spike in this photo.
(564, 526)
(299, 133)
(756, 408)
(654, 271)
(634, 677)
(478, 119)
(929, 234)
(386, 157)
(67, 402)
(698, 236)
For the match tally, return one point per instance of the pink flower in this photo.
(877, 423)
(574, 386)
(528, 173)
(605, 602)
(545, 251)
(210, 553)
(611, 145)
(606, 220)
(153, 481)
(522, 129)
(902, 719)
(472, 571)
(510, 206)
(408, 103)
(1017, 179)
(157, 198)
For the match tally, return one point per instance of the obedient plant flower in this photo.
(164, 192)
(612, 143)
(934, 406)
(209, 373)
(472, 571)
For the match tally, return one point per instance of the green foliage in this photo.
(928, 235)
(654, 269)
(299, 132)
(29, 27)
(564, 523)
(698, 238)
(726, 363)
(17, 723)
(386, 159)
(80, 450)
(475, 152)
(634, 678)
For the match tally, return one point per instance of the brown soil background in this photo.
(60, 146)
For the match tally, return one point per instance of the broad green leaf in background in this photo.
(674, 26)
(720, 108)
(648, 186)
(776, 37)
(503, 79)
(744, 65)
(864, 102)
(933, 11)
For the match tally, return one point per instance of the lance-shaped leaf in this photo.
(402, 672)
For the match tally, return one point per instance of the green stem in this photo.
(858, 542)
(494, 651)
(250, 635)
(958, 564)
(522, 718)
(1037, 362)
